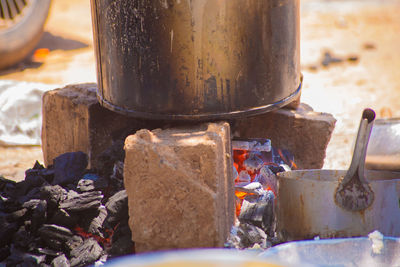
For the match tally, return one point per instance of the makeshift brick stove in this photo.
(175, 177)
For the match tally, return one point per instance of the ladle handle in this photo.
(360, 149)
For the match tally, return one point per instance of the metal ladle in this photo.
(354, 192)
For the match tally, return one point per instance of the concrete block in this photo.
(302, 131)
(73, 120)
(180, 188)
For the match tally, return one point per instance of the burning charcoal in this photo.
(4, 253)
(54, 236)
(22, 238)
(251, 188)
(258, 210)
(81, 202)
(92, 220)
(235, 173)
(74, 242)
(39, 215)
(85, 185)
(53, 194)
(267, 178)
(250, 235)
(253, 162)
(48, 252)
(244, 177)
(121, 242)
(86, 253)
(60, 261)
(69, 167)
(276, 169)
(63, 218)
(117, 208)
(256, 144)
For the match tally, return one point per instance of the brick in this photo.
(179, 186)
(304, 132)
(73, 120)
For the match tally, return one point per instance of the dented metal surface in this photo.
(196, 59)
(307, 208)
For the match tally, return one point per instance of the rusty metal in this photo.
(196, 59)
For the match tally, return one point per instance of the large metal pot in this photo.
(196, 59)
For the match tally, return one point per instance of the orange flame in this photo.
(40, 54)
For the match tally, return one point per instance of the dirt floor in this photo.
(364, 35)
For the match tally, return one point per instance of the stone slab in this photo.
(73, 120)
(179, 186)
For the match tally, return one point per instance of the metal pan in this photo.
(340, 203)
(384, 145)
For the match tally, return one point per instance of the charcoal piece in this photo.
(31, 204)
(276, 169)
(69, 167)
(54, 236)
(88, 252)
(53, 194)
(259, 211)
(17, 216)
(121, 241)
(250, 235)
(85, 185)
(23, 259)
(60, 261)
(267, 178)
(253, 162)
(4, 183)
(48, 175)
(63, 218)
(7, 230)
(48, 252)
(101, 261)
(34, 193)
(117, 208)
(96, 224)
(39, 215)
(4, 253)
(74, 242)
(81, 202)
(22, 238)
(101, 183)
(32, 180)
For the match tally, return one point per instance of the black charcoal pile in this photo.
(64, 215)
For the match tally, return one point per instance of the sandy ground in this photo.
(366, 32)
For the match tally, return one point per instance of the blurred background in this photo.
(349, 56)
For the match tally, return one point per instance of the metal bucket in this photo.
(196, 59)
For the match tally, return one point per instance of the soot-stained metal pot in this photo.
(196, 59)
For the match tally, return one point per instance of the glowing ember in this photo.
(248, 167)
(40, 54)
(105, 241)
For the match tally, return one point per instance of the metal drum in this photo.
(196, 59)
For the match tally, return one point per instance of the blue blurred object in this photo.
(360, 251)
(90, 176)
